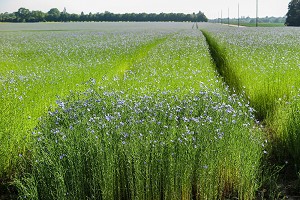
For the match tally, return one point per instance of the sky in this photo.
(211, 8)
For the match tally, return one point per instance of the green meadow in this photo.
(263, 63)
(147, 110)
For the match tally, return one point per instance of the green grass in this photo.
(264, 63)
(37, 68)
(124, 114)
(153, 150)
(271, 25)
(260, 24)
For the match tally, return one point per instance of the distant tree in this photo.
(253, 21)
(64, 15)
(293, 15)
(200, 17)
(90, 17)
(275, 20)
(53, 15)
(36, 16)
(82, 17)
(73, 17)
(22, 14)
(8, 17)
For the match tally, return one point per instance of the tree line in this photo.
(54, 15)
(250, 20)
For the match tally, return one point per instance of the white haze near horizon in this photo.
(211, 8)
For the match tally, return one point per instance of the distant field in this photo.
(96, 26)
(144, 110)
(259, 24)
(263, 24)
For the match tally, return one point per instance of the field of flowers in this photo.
(38, 67)
(112, 111)
(265, 64)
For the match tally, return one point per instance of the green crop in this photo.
(264, 63)
(114, 113)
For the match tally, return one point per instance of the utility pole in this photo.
(221, 17)
(228, 16)
(256, 13)
(238, 14)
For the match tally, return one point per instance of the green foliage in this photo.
(147, 117)
(287, 127)
(251, 22)
(22, 14)
(263, 24)
(145, 146)
(54, 15)
(250, 68)
(32, 76)
(265, 64)
(293, 15)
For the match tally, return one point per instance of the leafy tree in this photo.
(200, 17)
(293, 15)
(22, 14)
(53, 15)
(82, 17)
(73, 17)
(64, 15)
(8, 17)
(37, 16)
(90, 17)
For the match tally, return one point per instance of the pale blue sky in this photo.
(211, 8)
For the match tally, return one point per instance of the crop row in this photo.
(147, 118)
(264, 63)
(38, 67)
